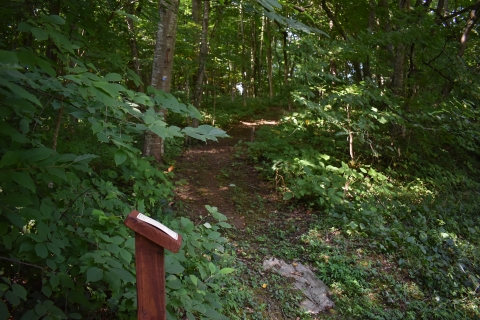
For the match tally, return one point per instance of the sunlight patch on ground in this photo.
(259, 122)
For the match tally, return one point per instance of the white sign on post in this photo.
(158, 225)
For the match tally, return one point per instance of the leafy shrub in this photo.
(65, 252)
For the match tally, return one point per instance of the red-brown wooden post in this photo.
(150, 242)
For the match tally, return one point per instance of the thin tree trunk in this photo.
(269, 60)
(202, 59)
(260, 57)
(285, 58)
(162, 68)
(57, 128)
(472, 20)
(244, 81)
(134, 47)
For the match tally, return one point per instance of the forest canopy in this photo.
(381, 136)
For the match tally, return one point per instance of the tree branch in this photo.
(20, 262)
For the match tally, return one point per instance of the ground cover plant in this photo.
(417, 221)
(354, 149)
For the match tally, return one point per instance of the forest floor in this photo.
(220, 175)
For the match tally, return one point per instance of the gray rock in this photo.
(305, 280)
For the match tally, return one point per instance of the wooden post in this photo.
(151, 237)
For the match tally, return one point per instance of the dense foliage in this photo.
(381, 142)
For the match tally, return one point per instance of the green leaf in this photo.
(41, 309)
(85, 157)
(225, 225)
(10, 157)
(19, 91)
(174, 284)
(214, 235)
(53, 249)
(19, 291)
(4, 314)
(8, 57)
(15, 219)
(124, 275)
(212, 268)
(31, 315)
(226, 270)
(41, 250)
(40, 34)
(287, 195)
(54, 280)
(47, 291)
(113, 77)
(120, 157)
(194, 279)
(94, 274)
(12, 298)
(56, 19)
(23, 179)
(172, 265)
(127, 256)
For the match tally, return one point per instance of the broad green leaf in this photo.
(172, 265)
(32, 315)
(175, 284)
(124, 275)
(224, 225)
(194, 279)
(113, 77)
(21, 92)
(41, 250)
(54, 281)
(94, 274)
(125, 255)
(10, 157)
(214, 235)
(12, 298)
(85, 157)
(41, 309)
(287, 195)
(15, 219)
(8, 57)
(39, 34)
(226, 270)
(53, 249)
(46, 290)
(4, 314)
(212, 268)
(19, 291)
(23, 179)
(120, 157)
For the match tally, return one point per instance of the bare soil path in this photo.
(213, 173)
(219, 174)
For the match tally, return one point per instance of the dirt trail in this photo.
(213, 172)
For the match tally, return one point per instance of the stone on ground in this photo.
(306, 281)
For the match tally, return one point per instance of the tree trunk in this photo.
(472, 20)
(134, 47)
(202, 59)
(269, 60)
(244, 80)
(162, 68)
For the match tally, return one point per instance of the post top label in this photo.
(158, 225)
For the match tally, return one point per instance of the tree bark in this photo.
(134, 48)
(202, 59)
(472, 20)
(269, 60)
(244, 81)
(162, 68)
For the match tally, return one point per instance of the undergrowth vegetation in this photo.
(397, 231)
(65, 252)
